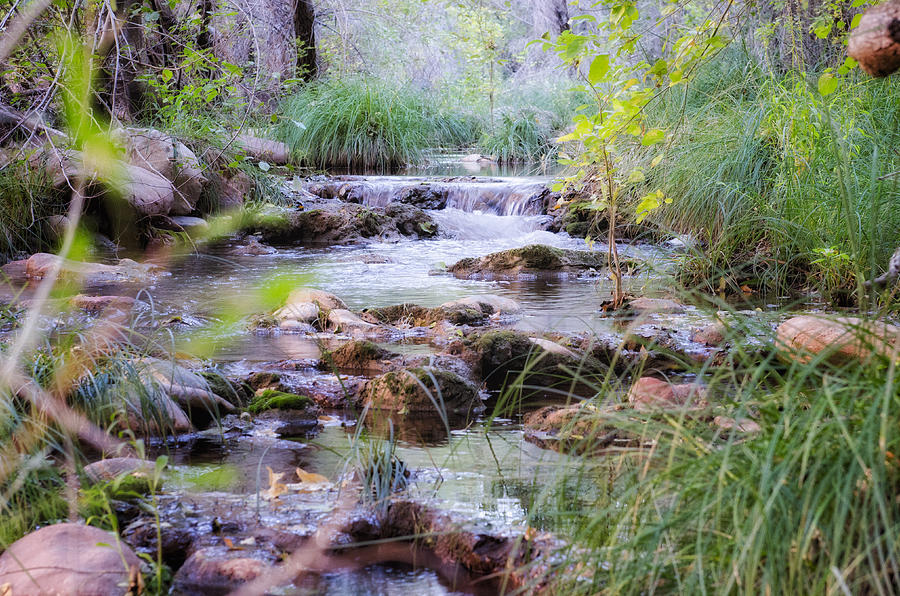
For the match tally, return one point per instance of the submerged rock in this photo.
(70, 559)
(39, 265)
(843, 339)
(650, 393)
(422, 389)
(213, 570)
(577, 428)
(99, 304)
(655, 305)
(533, 259)
(108, 470)
(500, 357)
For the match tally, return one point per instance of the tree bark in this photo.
(875, 43)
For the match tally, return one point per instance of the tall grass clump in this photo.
(755, 163)
(27, 203)
(807, 503)
(518, 137)
(364, 123)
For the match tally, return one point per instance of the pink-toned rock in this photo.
(844, 338)
(650, 393)
(97, 304)
(39, 265)
(655, 305)
(744, 425)
(68, 560)
(712, 334)
(217, 571)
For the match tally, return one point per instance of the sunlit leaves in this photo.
(828, 83)
(653, 136)
(599, 69)
(649, 203)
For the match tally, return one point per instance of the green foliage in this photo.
(28, 201)
(757, 174)
(31, 498)
(365, 123)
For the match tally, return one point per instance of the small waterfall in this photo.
(516, 196)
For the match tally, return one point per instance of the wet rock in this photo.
(411, 221)
(422, 389)
(193, 226)
(234, 186)
(577, 428)
(212, 571)
(166, 156)
(499, 357)
(331, 223)
(744, 425)
(423, 196)
(843, 339)
(251, 247)
(343, 321)
(650, 393)
(69, 559)
(478, 158)
(358, 357)
(108, 470)
(489, 304)
(99, 304)
(322, 299)
(236, 392)
(413, 315)
(189, 389)
(145, 534)
(655, 305)
(551, 347)
(331, 392)
(532, 259)
(39, 265)
(298, 312)
(273, 152)
(712, 334)
(273, 399)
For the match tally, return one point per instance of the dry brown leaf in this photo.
(276, 486)
(310, 477)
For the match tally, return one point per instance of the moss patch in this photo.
(270, 399)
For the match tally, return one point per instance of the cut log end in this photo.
(875, 42)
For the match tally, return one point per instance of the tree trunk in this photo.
(266, 32)
(875, 43)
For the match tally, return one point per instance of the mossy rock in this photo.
(501, 356)
(271, 399)
(534, 258)
(356, 355)
(423, 389)
(419, 316)
(237, 394)
(263, 380)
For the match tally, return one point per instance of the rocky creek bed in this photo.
(414, 302)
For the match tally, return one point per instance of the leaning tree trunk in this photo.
(875, 44)
(266, 33)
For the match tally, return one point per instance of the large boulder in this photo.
(842, 339)
(358, 357)
(422, 389)
(69, 559)
(166, 156)
(147, 193)
(533, 259)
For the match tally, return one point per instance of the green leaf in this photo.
(599, 69)
(855, 21)
(823, 31)
(166, 75)
(828, 84)
(653, 136)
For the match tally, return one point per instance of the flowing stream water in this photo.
(482, 469)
